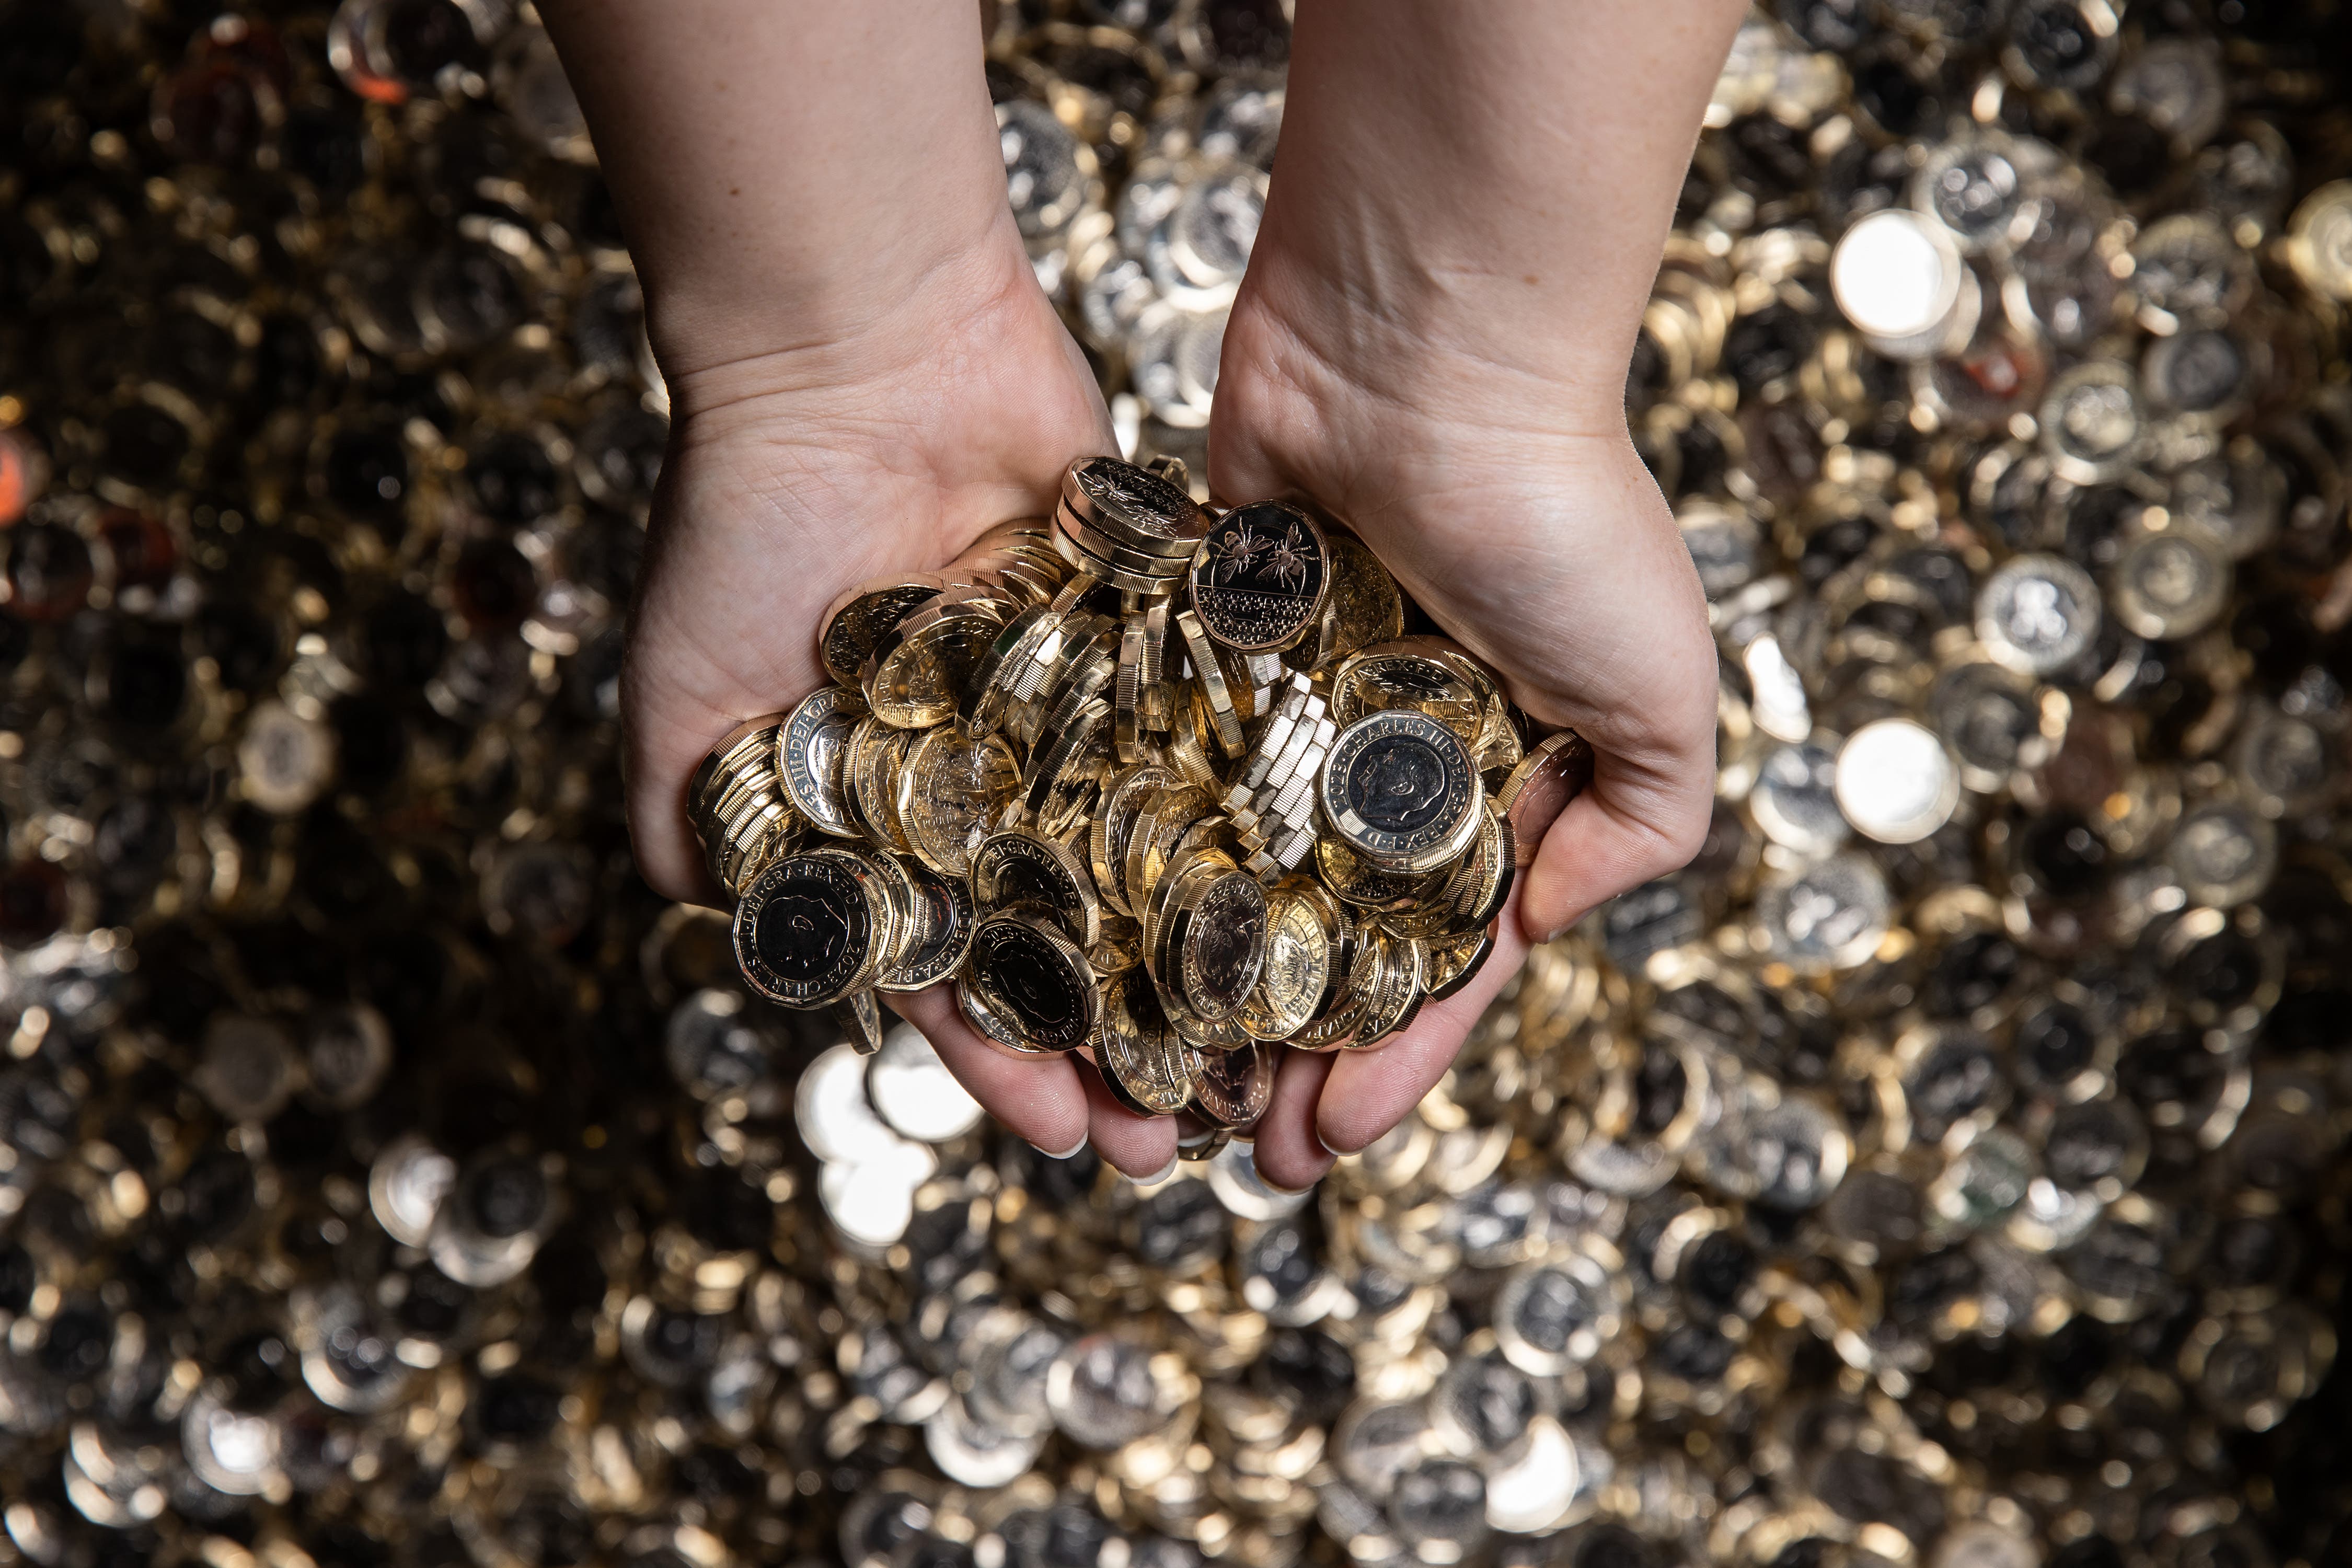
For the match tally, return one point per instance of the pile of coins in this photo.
(1947, 1169)
(1160, 783)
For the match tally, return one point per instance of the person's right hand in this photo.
(883, 447)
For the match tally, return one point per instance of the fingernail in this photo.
(1273, 1185)
(1324, 1143)
(1065, 1154)
(1157, 1176)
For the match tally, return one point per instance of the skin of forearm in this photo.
(1486, 185)
(788, 172)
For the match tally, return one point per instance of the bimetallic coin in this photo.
(1362, 609)
(2168, 585)
(1103, 1392)
(2319, 240)
(859, 618)
(1401, 791)
(1036, 980)
(1259, 580)
(1135, 506)
(922, 667)
(2223, 853)
(2090, 422)
(1894, 782)
(1027, 872)
(1406, 675)
(1122, 801)
(1448, 964)
(1297, 970)
(1554, 773)
(1232, 1088)
(947, 917)
(812, 928)
(1220, 941)
(952, 789)
(1146, 1066)
(1831, 915)
(812, 747)
(2037, 614)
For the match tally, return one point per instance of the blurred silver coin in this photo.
(914, 1091)
(1830, 915)
(1894, 781)
(2037, 614)
(1795, 798)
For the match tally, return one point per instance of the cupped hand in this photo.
(880, 450)
(1518, 514)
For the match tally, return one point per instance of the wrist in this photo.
(1397, 322)
(823, 319)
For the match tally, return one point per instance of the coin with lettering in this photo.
(1024, 870)
(1401, 791)
(922, 666)
(1296, 972)
(1035, 979)
(946, 923)
(858, 619)
(812, 747)
(1232, 1088)
(1147, 1067)
(809, 930)
(1219, 944)
(1137, 508)
(1448, 964)
(1403, 674)
(952, 789)
(1259, 580)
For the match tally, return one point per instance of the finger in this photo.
(1633, 824)
(1369, 1091)
(1288, 1155)
(1144, 1147)
(1040, 1101)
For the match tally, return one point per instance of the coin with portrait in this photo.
(952, 788)
(808, 930)
(1219, 945)
(857, 620)
(1036, 980)
(1401, 791)
(1297, 970)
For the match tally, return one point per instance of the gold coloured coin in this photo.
(813, 927)
(1556, 770)
(870, 773)
(922, 665)
(989, 1025)
(1403, 674)
(1036, 980)
(812, 747)
(1355, 880)
(1218, 944)
(1145, 1064)
(1027, 871)
(1225, 722)
(952, 789)
(1160, 823)
(1259, 580)
(1363, 608)
(1400, 790)
(1233, 1087)
(859, 618)
(750, 743)
(1448, 964)
(1114, 819)
(1395, 995)
(1135, 506)
(1296, 972)
(948, 919)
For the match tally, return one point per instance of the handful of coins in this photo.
(1163, 783)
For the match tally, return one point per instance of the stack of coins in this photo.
(1291, 824)
(1946, 1170)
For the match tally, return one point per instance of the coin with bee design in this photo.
(1259, 580)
